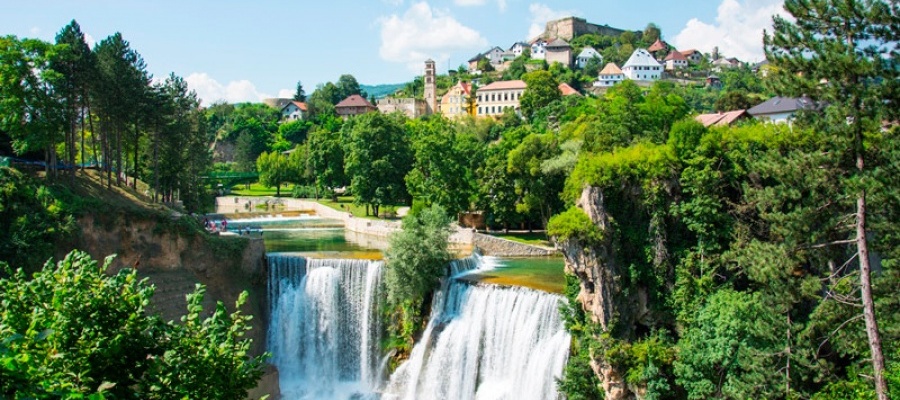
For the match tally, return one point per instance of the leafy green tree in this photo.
(274, 170)
(541, 90)
(537, 182)
(731, 350)
(735, 100)
(348, 86)
(417, 256)
(72, 331)
(326, 159)
(30, 111)
(851, 45)
(445, 161)
(377, 157)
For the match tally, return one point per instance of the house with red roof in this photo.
(354, 105)
(675, 60)
(722, 118)
(293, 111)
(567, 90)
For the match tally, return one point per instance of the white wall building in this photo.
(586, 55)
(641, 66)
(676, 60)
(609, 76)
(539, 50)
(518, 48)
(293, 111)
(493, 99)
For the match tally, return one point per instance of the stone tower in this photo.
(430, 88)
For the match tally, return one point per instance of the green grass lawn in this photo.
(532, 238)
(259, 190)
(345, 204)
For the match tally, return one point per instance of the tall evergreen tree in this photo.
(843, 53)
(300, 94)
(75, 62)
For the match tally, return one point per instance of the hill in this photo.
(383, 90)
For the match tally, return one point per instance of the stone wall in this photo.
(570, 27)
(494, 246)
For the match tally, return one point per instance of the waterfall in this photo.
(482, 341)
(325, 328)
(486, 342)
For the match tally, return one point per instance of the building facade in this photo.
(412, 108)
(559, 51)
(431, 104)
(495, 98)
(455, 102)
(641, 66)
(610, 75)
(353, 105)
(586, 55)
(293, 111)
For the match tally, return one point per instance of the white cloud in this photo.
(35, 31)
(210, 91)
(501, 4)
(540, 14)
(89, 40)
(737, 30)
(393, 2)
(422, 33)
(285, 93)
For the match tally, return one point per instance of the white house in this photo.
(518, 48)
(539, 50)
(609, 76)
(493, 99)
(725, 63)
(676, 60)
(293, 111)
(495, 54)
(781, 110)
(641, 66)
(586, 55)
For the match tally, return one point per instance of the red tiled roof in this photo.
(354, 101)
(720, 119)
(677, 56)
(301, 105)
(504, 85)
(657, 46)
(568, 90)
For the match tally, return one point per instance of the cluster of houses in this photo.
(494, 99)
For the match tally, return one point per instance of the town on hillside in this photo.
(586, 58)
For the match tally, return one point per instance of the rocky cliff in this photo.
(175, 258)
(618, 308)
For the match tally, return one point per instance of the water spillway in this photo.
(482, 341)
(325, 329)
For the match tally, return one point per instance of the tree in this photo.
(843, 53)
(274, 170)
(540, 91)
(348, 86)
(326, 158)
(377, 157)
(72, 331)
(30, 110)
(651, 33)
(299, 94)
(75, 62)
(417, 256)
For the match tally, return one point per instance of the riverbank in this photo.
(462, 239)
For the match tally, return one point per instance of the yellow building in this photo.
(455, 102)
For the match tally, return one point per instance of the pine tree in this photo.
(842, 53)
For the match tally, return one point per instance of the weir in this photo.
(482, 341)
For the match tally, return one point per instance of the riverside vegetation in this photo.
(757, 260)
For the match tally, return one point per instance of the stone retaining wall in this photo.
(494, 246)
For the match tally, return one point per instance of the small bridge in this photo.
(229, 179)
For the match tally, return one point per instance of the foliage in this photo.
(574, 224)
(377, 158)
(72, 330)
(417, 256)
(274, 170)
(541, 90)
(34, 217)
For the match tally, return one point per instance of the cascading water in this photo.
(325, 330)
(482, 341)
(486, 342)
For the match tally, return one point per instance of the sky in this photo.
(238, 51)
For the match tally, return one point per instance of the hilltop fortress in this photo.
(570, 27)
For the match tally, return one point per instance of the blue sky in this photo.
(243, 51)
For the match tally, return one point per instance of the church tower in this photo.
(430, 88)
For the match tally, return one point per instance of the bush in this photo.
(72, 331)
(574, 224)
(304, 192)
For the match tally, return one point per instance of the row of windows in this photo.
(500, 97)
(492, 110)
(647, 68)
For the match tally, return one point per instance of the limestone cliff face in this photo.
(176, 262)
(602, 293)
